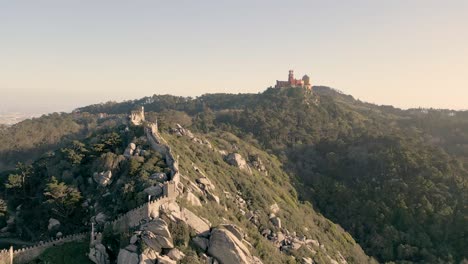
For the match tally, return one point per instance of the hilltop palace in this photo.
(291, 82)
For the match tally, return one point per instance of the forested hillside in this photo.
(395, 179)
(409, 166)
(113, 171)
(29, 139)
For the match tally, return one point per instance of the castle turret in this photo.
(291, 77)
(137, 116)
(306, 82)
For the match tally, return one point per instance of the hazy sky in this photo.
(58, 55)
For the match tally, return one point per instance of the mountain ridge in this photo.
(329, 129)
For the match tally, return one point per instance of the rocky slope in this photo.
(233, 202)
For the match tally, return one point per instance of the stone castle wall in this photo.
(26, 255)
(150, 210)
(160, 145)
(139, 215)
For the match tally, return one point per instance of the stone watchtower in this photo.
(306, 82)
(137, 117)
(170, 189)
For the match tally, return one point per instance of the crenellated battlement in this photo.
(54, 242)
(28, 254)
(139, 215)
(150, 210)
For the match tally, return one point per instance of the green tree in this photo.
(14, 181)
(63, 199)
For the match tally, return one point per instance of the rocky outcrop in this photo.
(103, 178)
(274, 208)
(205, 184)
(235, 159)
(154, 191)
(157, 227)
(257, 163)
(166, 260)
(129, 151)
(180, 131)
(176, 213)
(193, 199)
(159, 176)
(155, 238)
(175, 254)
(53, 224)
(276, 221)
(156, 242)
(201, 243)
(228, 249)
(236, 231)
(98, 254)
(127, 257)
(99, 219)
(156, 235)
(148, 256)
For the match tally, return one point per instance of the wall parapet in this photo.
(28, 254)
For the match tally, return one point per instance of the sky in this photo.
(57, 55)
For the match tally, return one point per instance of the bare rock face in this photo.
(148, 256)
(127, 257)
(156, 236)
(235, 159)
(274, 208)
(257, 164)
(205, 184)
(180, 131)
(155, 242)
(236, 231)
(176, 213)
(154, 190)
(166, 260)
(175, 254)
(100, 218)
(201, 242)
(193, 200)
(98, 254)
(157, 227)
(129, 151)
(160, 177)
(227, 249)
(134, 239)
(103, 178)
(53, 224)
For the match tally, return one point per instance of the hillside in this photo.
(113, 171)
(396, 180)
